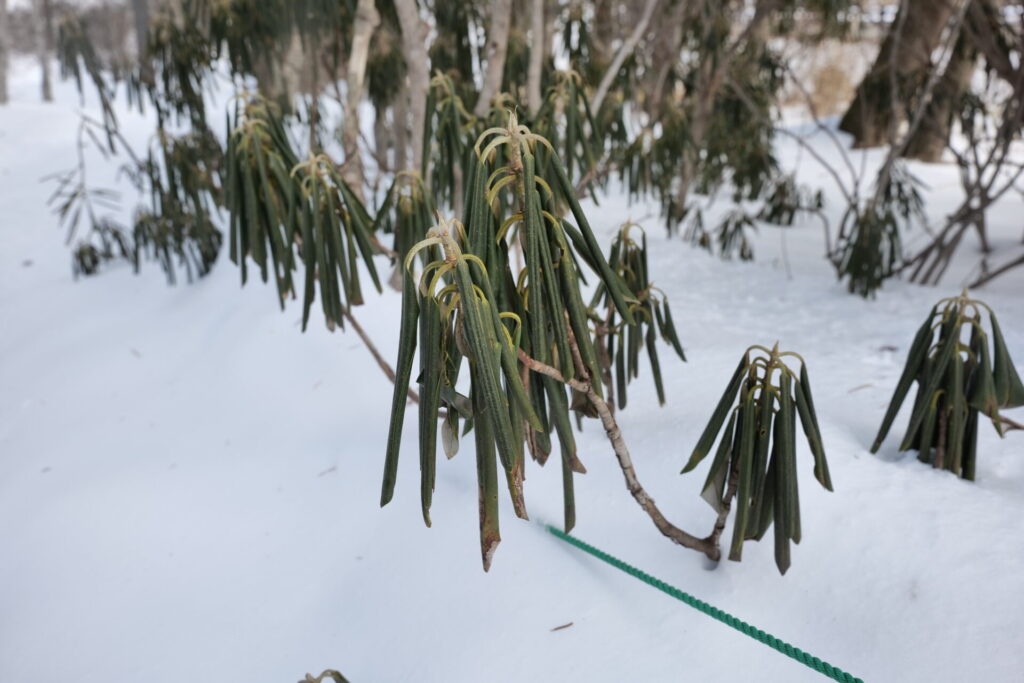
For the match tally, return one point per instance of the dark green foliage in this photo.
(454, 50)
(385, 67)
(784, 199)
(172, 78)
(182, 177)
(960, 370)
(620, 343)
(565, 120)
(755, 463)
(729, 237)
(706, 150)
(488, 314)
(78, 59)
(446, 139)
(869, 245)
(284, 212)
(406, 213)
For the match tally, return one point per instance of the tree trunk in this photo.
(711, 77)
(603, 33)
(140, 12)
(537, 50)
(497, 47)
(367, 19)
(43, 21)
(414, 51)
(620, 56)
(400, 132)
(382, 139)
(4, 43)
(665, 56)
(929, 141)
(904, 57)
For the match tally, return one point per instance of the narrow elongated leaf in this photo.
(430, 399)
(745, 467)
(915, 357)
(945, 353)
(487, 481)
(707, 438)
(809, 422)
(1009, 389)
(762, 441)
(957, 415)
(983, 395)
(714, 485)
(612, 281)
(970, 448)
(403, 369)
(787, 449)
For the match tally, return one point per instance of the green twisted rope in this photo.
(713, 612)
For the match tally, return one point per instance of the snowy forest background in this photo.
(190, 489)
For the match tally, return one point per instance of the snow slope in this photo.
(189, 486)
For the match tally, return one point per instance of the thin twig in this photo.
(413, 396)
(614, 433)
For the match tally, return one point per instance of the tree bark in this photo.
(497, 48)
(367, 20)
(711, 76)
(414, 51)
(400, 133)
(929, 141)
(43, 21)
(664, 56)
(140, 12)
(904, 57)
(4, 51)
(614, 433)
(537, 50)
(620, 57)
(602, 32)
(382, 139)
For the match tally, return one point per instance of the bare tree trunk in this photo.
(665, 55)
(904, 57)
(620, 57)
(929, 141)
(367, 19)
(382, 139)
(400, 132)
(712, 75)
(140, 12)
(537, 52)
(4, 47)
(43, 21)
(603, 31)
(414, 50)
(497, 48)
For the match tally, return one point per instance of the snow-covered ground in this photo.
(189, 486)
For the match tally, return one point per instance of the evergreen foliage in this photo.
(961, 371)
(755, 463)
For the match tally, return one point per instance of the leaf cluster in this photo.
(754, 465)
(962, 371)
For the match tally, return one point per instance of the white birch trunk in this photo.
(497, 48)
(367, 19)
(414, 50)
(538, 36)
(620, 57)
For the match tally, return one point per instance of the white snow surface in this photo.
(189, 487)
